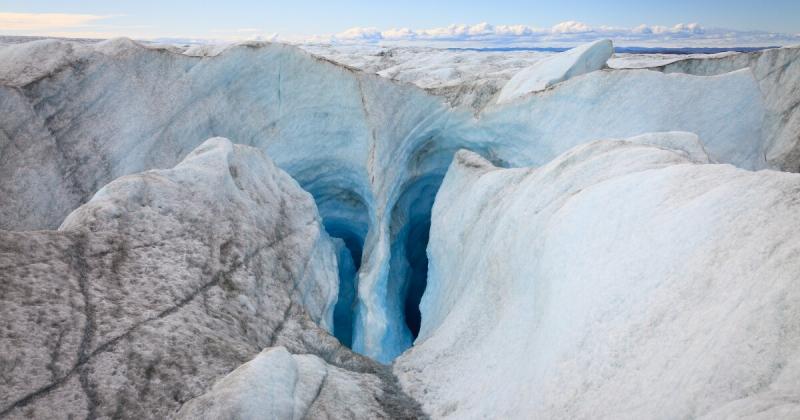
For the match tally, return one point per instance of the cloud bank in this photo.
(563, 34)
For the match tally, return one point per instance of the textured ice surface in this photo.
(428, 67)
(167, 280)
(357, 142)
(634, 60)
(620, 280)
(778, 74)
(161, 283)
(557, 68)
(279, 385)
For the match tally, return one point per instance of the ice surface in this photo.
(621, 280)
(431, 68)
(273, 385)
(778, 74)
(279, 385)
(598, 279)
(359, 143)
(557, 68)
(163, 282)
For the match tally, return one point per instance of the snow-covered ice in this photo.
(279, 385)
(621, 280)
(163, 281)
(431, 68)
(557, 68)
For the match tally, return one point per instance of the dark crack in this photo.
(55, 354)
(77, 256)
(316, 396)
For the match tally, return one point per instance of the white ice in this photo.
(557, 68)
(357, 142)
(622, 280)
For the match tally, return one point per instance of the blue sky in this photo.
(240, 19)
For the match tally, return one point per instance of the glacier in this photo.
(368, 160)
(101, 111)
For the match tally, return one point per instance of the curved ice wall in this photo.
(371, 151)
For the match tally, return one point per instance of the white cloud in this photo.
(563, 34)
(359, 34)
(571, 27)
(44, 21)
(515, 30)
(398, 33)
(694, 28)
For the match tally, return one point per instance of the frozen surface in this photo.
(633, 60)
(431, 68)
(599, 279)
(161, 283)
(463, 76)
(167, 280)
(360, 143)
(778, 74)
(279, 385)
(622, 280)
(557, 68)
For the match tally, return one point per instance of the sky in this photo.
(641, 21)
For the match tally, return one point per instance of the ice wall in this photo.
(624, 279)
(778, 74)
